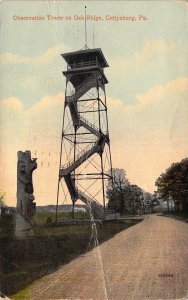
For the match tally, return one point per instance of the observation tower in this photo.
(85, 156)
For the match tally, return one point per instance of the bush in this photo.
(7, 225)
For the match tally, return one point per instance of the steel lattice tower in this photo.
(85, 157)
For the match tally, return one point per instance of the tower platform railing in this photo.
(83, 64)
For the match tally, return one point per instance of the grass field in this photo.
(47, 218)
(23, 261)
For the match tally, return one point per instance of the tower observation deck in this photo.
(85, 158)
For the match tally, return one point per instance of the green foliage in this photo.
(173, 183)
(2, 199)
(7, 224)
(127, 198)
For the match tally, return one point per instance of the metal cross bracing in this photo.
(85, 159)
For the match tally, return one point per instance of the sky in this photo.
(146, 94)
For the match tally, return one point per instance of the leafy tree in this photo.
(173, 185)
(124, 197)
(150, 201)
(116, 190)
(2, 204)
(2, 199)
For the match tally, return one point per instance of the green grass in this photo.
(41, 218)
(29, 259)
(23, 294)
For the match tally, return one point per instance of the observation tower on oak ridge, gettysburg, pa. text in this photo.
(85, 157)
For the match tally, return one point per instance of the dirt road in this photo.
(146, 261)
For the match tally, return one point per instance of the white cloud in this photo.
(45, 58)
(141, 60)
(158, 61)
(149, 49)
(174, 88)
(37, 129)
(11, 103)
(114, 102)
(49, 101)
(148, 136)
(145, 138)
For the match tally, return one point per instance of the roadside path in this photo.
(126, 267)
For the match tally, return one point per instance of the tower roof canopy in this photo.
(88, 55)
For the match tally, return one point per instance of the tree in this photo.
(173, 185)
(124, 197)
(2, 199)
(2, 203)
(116, 190)
(150, 201)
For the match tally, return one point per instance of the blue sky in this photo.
(147, 80)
